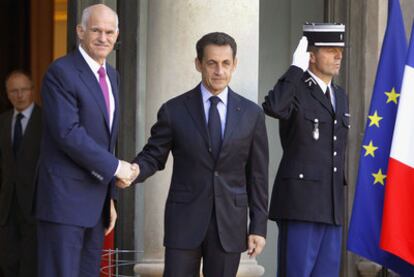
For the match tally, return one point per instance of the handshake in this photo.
(126, 174)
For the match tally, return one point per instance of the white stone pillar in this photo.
(174, 26)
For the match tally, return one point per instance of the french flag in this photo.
(397, 232)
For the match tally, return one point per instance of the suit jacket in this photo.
(76, 165)
(238, 180)
(17, 173)
(309, 185)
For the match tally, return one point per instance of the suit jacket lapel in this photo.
(194, 105)
(89, 79)
(114, 84)
(319, 95)
(234, 113)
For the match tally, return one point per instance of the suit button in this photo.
(335, 121)
(335, 169)
(334, 137)
(209, 149)
(216, 173)
(301, 176)
(334, 153)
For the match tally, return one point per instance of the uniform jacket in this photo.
(310, 181)
(76, 164)
(236, 182)
(17, 173)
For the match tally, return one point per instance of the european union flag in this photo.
(365, 226)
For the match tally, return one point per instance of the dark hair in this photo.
(313, 49)
(216, 38)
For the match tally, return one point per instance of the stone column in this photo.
(173, 30)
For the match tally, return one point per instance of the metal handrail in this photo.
(113, 258)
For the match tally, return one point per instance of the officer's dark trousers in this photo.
(308, 249)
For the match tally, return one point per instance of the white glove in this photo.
(301, 57)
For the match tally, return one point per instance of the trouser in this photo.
(308, 249)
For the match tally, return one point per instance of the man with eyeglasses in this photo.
(19, 151)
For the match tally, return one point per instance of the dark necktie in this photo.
(104, 87)
(214, 126)
(18, 133)
(328, 95)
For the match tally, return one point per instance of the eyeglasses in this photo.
(21, 90)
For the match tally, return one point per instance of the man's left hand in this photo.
(112, 219)
(256, 244)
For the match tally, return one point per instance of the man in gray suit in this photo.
(19, 152)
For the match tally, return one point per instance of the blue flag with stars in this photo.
(365, 227)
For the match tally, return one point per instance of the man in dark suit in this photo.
(19, 151)
(219, 144)
(308, 194)
(75, 186)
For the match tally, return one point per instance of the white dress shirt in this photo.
(94, 66)
(221, 106)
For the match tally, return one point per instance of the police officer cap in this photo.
(325, 34)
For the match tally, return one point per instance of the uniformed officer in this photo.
(308, 194)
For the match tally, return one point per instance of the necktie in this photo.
(18, 133)
(328, 95)
(104, 87)
(214, 126)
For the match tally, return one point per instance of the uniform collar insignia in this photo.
(310, 81)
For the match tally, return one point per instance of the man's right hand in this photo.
(126, 174)
(301, 56)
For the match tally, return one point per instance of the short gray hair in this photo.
(86, 13)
